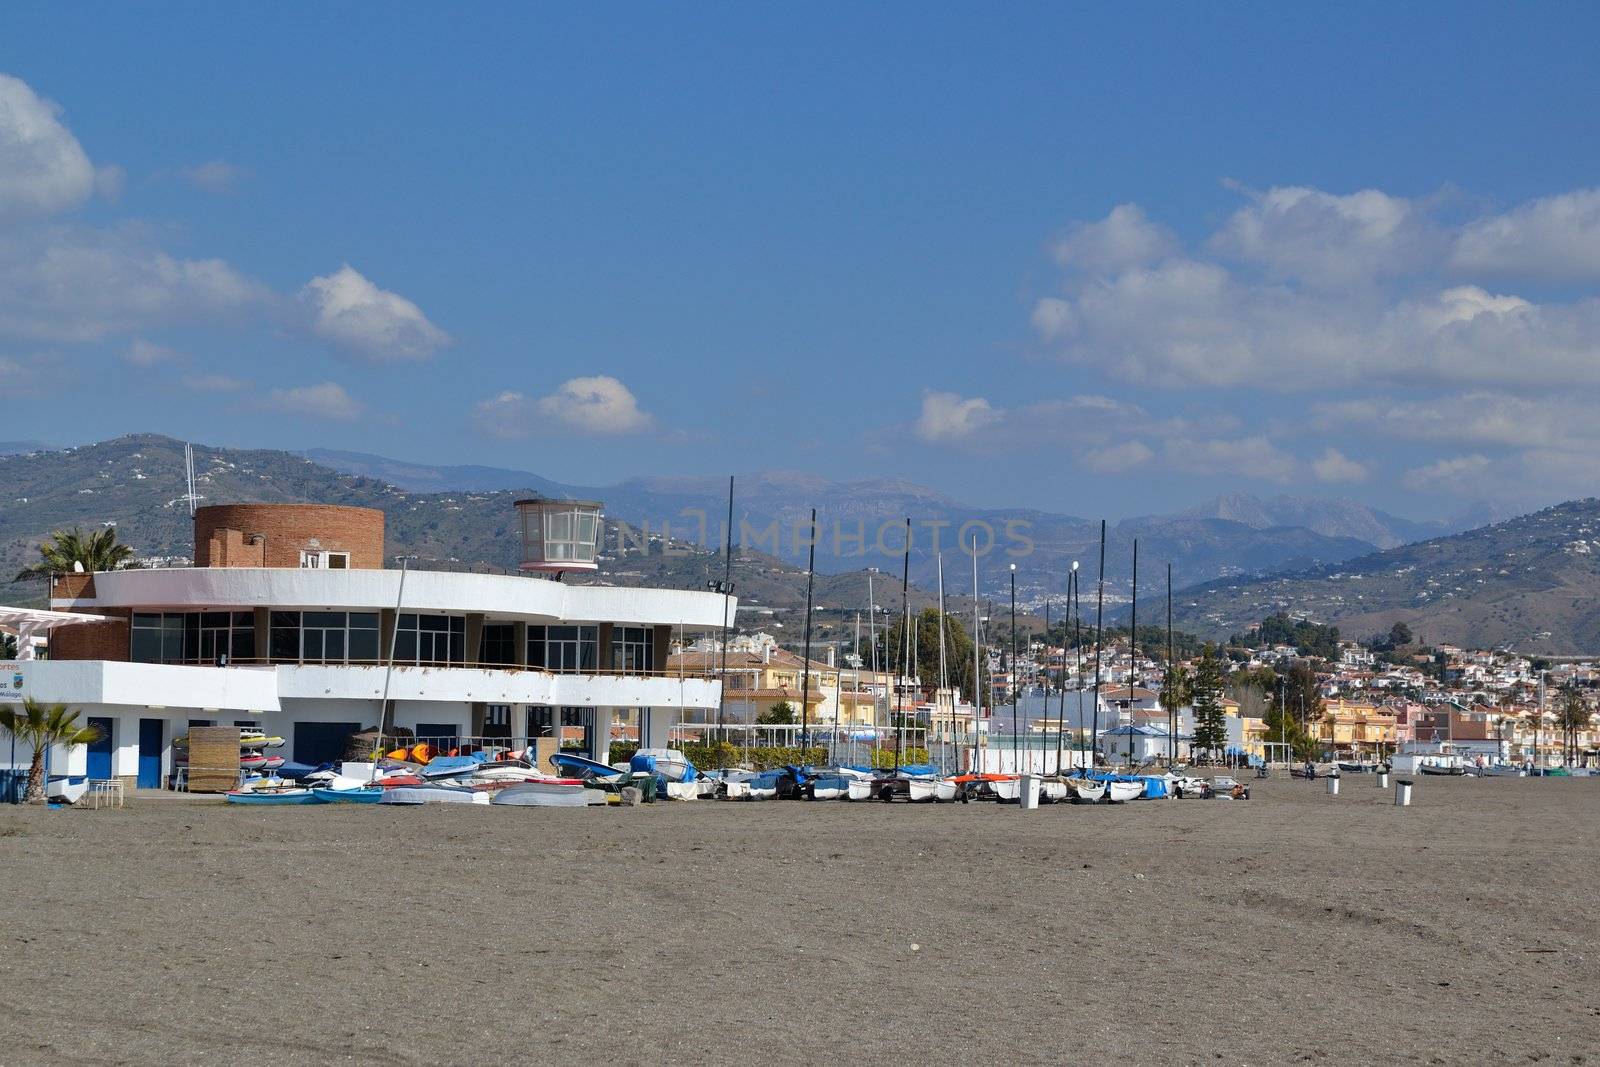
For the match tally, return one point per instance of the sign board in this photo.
(11, 682)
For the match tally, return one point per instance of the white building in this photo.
(289, 622)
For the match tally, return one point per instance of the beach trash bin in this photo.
(1383, 779)
(1028, 791)
(1333, 785)
(1402, 793)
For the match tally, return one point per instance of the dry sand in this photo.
(1294, 927)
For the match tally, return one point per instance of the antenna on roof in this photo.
(188, 469)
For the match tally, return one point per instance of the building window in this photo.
(431, 639)
(324, 637)
(633, 650)
(570, 535)
(191, 636)
(335, 561)
(564, 648)
(499, 646)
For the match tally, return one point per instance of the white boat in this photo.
(920, 789)
(1054, 790)
(1008, 790)
(1124, 791)
(1184, 788)
(670, 763)
(829, 792)
(422, 794)
(860, 789)
(1090, 789)
(543, 795)
(945, 789)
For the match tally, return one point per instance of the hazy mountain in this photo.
(772, 506)
(1532, 582)
(1335, 518)
(11, 448)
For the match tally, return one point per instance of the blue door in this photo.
(321, 742)
(100, 749)
(151, 734)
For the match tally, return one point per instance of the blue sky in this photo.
(1108, 260)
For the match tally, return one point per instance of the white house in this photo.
(289, 622)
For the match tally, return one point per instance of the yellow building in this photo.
(1347, 726)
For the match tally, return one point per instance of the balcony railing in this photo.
(606, 671)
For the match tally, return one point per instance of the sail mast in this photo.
(1099, 634)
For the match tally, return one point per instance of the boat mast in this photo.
(977, 660)
(1099, 633)
(1077, 640)
(1133, 648)
(1061, 720)
(388, 667)
(1016, 678)
(942, 675)
(805, 664)
(905, 643)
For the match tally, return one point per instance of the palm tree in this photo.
(1572, 715)
(8, 647)
(69, 550)
(41, 725)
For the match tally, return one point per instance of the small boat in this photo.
(582, 767)
(827, 787)
(1355, 767)
(432, 794)
(671, 764)
(860, 789)
(946, 789)
(1089, 789)
(1118, 792)
(259, 741)
(553, 793)
(362, 795)
(1446, 769)
(1054, 790)
(253, 761)
(271, 796)
(919, 790)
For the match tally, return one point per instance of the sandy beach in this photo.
(1294, 927)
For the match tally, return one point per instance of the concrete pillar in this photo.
(520, 639)
(656, 727)
(473, 652)
(603, 637)
(263, 621)
(600, 734)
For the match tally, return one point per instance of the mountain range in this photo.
(1527, 581)
(1232, 536)
(1531, 583)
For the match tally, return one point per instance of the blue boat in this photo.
(581, 767)
(364, 795)
(274, 797)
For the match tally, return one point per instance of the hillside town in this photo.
(1345, 700)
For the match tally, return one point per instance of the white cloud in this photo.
(1326, 239)
(1453, 474)
(215, 176)
(43, 168)
(353, 313)
(109, 180)
(1335, 466)
(598, 405)
(327, 400)
(1479, 419)
(1114, 459)
(1123, 239)
(949, 417)
(214, 383)
(1556, 237)
(74, 283)
(1246, 457)
(1314, 305)
(142, 353)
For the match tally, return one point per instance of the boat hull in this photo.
(1090, 789)
(1121, 792)
(273, 799)
(543, 795)
(348, 796)
(421, 794)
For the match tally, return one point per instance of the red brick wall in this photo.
(72, 586)
(90, 640)
(223, 534)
